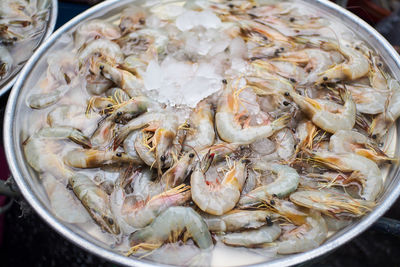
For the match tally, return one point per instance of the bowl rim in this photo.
(57, 224)
(50, 28)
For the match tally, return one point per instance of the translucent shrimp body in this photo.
(201, 134)
(231, 131)
(324, 116)
(286, 182)
(40, 149)
(371, 176)
(305, 237)
(96, 202)
(252, 238)
(356, 66)
(95, 29)
(96, 158)
(351, 141)
(331, 203)
(236, 220)
(140, 214)
(174, 221)
(219, 198)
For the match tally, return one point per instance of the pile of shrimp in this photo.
(288, 148)
(20, 21)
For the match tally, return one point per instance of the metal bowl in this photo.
(51, 23)
(29, 184)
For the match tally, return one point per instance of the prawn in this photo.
(305, 237)
(369, 172)
(169, 226)
(91, 158)
(236, 220)
(253, 238)
(326, 115)
(95, 201)
(201, 132)
(286, 182)
(331, 203)
(231, 131)
(351, 141)
(95, 29)
(220, 198)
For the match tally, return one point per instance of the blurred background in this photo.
(27, 239)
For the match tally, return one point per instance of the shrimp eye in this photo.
(118, 154)
(272, 202)
(286, 103)
(287, 94)
(325, 78)
(110, 221)
(142, 21)
(269, 221)
(374, 136)
(163, 158)
(191, 155)
(224, 81)
(231, 6)
(123, 28)
(274, 195)
(101, 67)
(119, 113)
(245, 161)
(293, 80)
(292, 19)
(379, 64)
(109, 105)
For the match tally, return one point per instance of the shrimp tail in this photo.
(81, 140)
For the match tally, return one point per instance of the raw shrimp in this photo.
(95, 29)
(369, 174)
(72, 116)
(330, 118)
(231, 131)
(253, 238)
(169, 225)
(305, 237)
(286, 182)
(368, 100)
(96, 202)
(219, 198)
(355, 67)
(40, 149)
(90, 158)
(147, 119)
(61, 72)
(124, 79)
(139, 214)
(332, 203)
(350, 141)
(101, 48)
(315, 61)
(175, 175)
(236, 220)
(284, 208)
(201, 128)
(384, 121)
